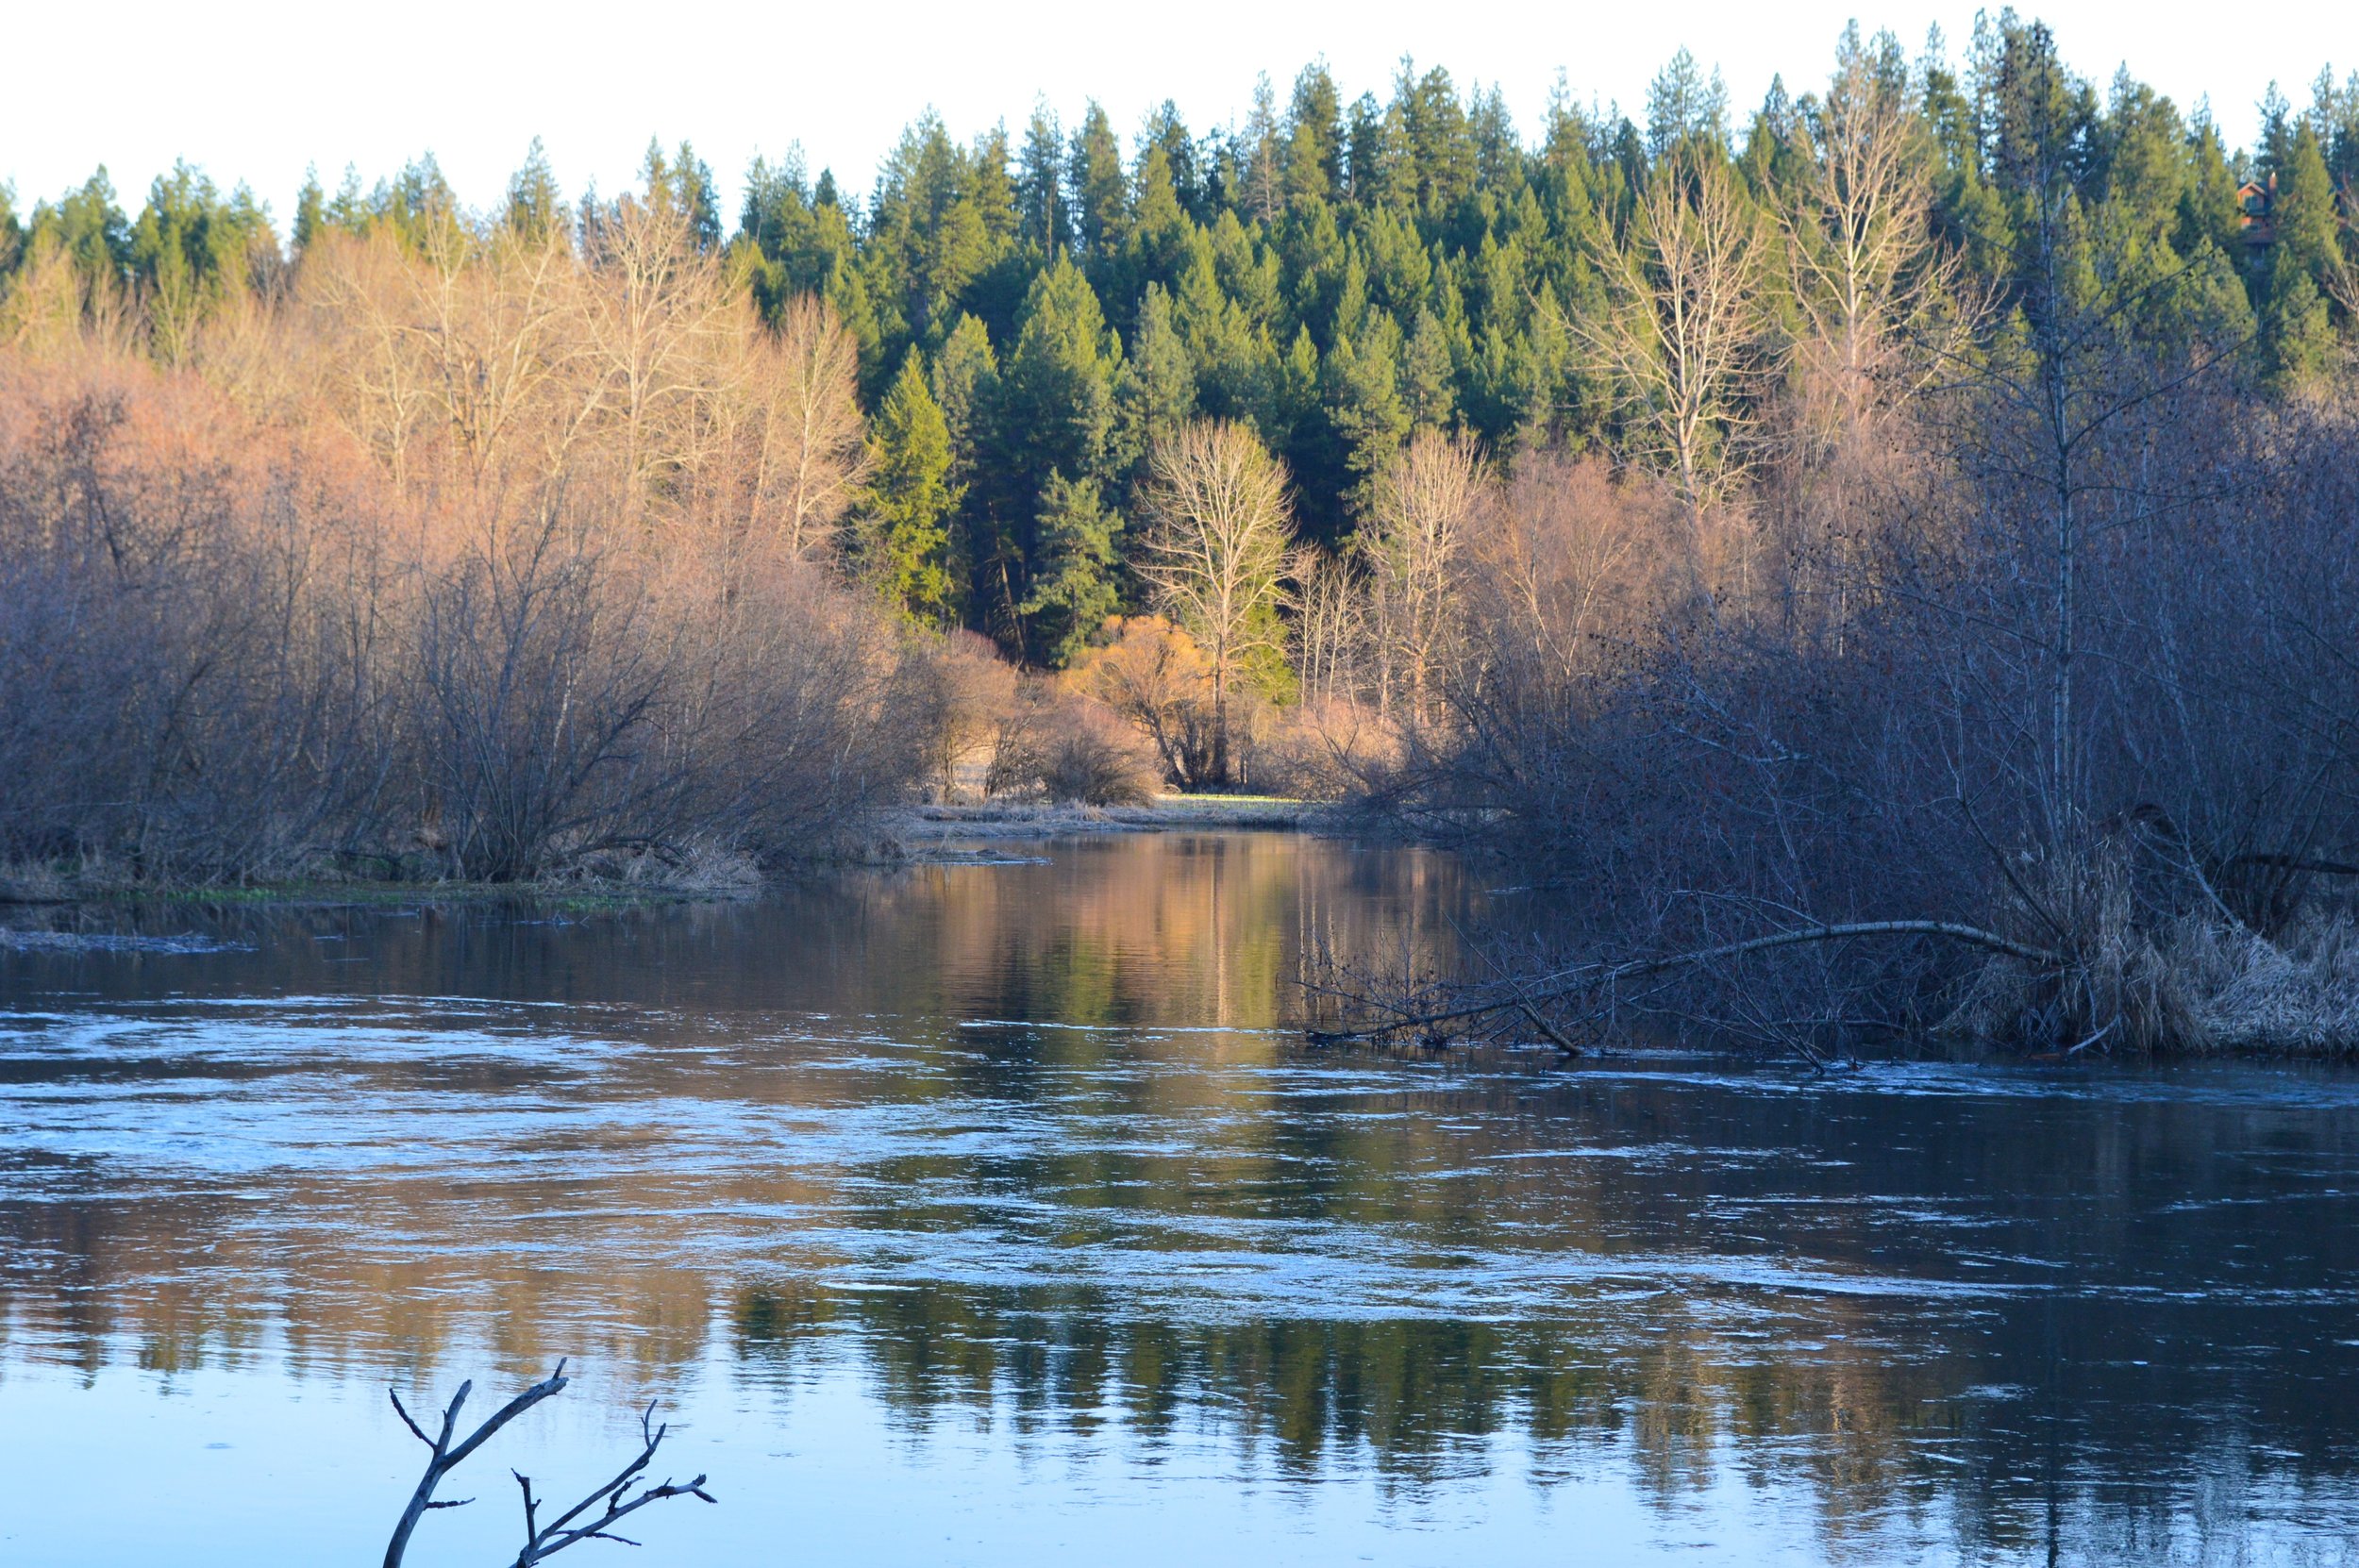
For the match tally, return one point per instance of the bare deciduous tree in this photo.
(378, 377)
(1330, 625)
(549, 604)
(1217, 556)
(1681, 343)
(803, 421)
(1866, 274)
(502, 325)
(1424, 498)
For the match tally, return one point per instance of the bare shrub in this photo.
(539, 704)
(191, 693)
(1323, 749)
(1808, 831)
(1576, 579)
(1059, 745)
(1154, 676)
(479, 556)
(799, 709)
(969, 690)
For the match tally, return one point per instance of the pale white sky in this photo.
(258, 90)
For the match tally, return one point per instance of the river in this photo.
(991, 1214)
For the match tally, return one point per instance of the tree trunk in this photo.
(1220, 722)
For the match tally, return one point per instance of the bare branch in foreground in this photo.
(539, 1541)
(548, 1540)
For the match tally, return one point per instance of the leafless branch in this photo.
(541, 1542)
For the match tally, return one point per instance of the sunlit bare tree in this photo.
(1423, 500)
(1217, 557)
(1681, 345)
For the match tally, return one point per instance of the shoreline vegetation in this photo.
(953, 833)
(1887, 559)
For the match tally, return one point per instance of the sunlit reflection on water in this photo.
(991, 1214)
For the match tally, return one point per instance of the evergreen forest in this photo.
(1034, 310)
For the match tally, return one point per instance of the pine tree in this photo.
(2297, 335)
(1685, 110)
(1314, 139)
(2297, 332)
(1156, 392)
(905, 535)
(88, 227)
(2302, 216)
(1439, 142)
(1160, 232)
(1365, 403)
(965, 386)
(310, 212)
(1054, 417)
(1167, 134)
(1100, 195)
(1047, 222)
(1075, 587)
(535, 208)
(1427, 395)
(1057, 391)
(847, 293)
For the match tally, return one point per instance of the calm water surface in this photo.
(989, 1214)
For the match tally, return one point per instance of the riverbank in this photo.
(929, 832)
(26, 892)
(981, 831)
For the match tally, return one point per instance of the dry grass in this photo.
(2298, 995)
(2189, 980)
(701, 868)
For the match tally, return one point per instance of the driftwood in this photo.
(541, 1541)
(1524, 998)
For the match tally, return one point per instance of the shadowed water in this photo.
(989, 1213)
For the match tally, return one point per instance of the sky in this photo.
(260, 90)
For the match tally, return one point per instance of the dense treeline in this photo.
(1895, 561)
(1033, 312)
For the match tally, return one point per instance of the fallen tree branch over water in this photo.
(1401, 1017)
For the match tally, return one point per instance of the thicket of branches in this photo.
(1963, 656)
(496, 553)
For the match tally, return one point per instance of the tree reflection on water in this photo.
(1028, 1148)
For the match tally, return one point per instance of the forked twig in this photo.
(547, 1541)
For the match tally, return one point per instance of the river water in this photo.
(990, 1214)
